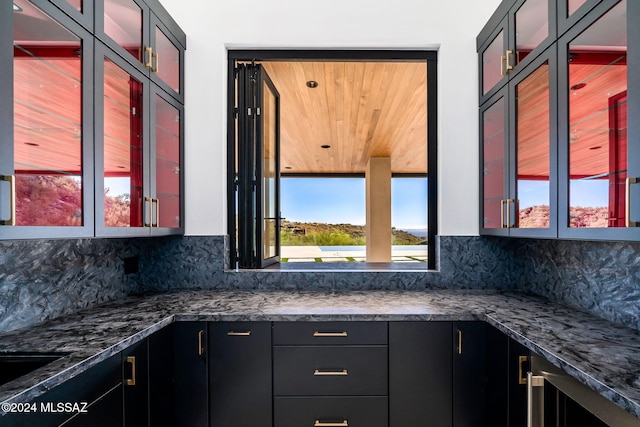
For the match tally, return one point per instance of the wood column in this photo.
(378, 226)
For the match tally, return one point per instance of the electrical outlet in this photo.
(131, 265)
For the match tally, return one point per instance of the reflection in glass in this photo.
(532, 26)
(168, 57)
(123, 23)
(76, 4)
(47, 64)
(270, 173)
(574, 5)
(533, 149)
(493, 161)
(123, 182)
(598, 122)
(167, 163)
(492, 67)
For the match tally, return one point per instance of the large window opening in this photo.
(332, 158)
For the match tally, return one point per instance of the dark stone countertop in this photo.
(600, 354)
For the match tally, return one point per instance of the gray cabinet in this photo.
(100, 387)
(73, 105)
(240, 386)
(558, 137)
(330, 373)
(420, 374)
(190, 370)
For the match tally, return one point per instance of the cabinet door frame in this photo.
(103, 52)
(151, 131)
(114, 46)
(504, 94)
(565, 22)
(168, 31)
(7, 128)
(633, 149)
(542, 47)
(549, 56)
(504, 28)
(84, 17)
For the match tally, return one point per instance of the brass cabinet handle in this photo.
(521, 361)
(155, 56)
(344, 423)
(503, 59)
(459, 341)
(11, 179)
(508, 58)
(200, 341)
(330, 334)
(157, 212)
(148, 201)
(148, 54)
(503, 202)
(239, 334)
(132, 361)
(342, 373)
(628, 183)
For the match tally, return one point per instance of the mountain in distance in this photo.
(418, 232)
(322, 234)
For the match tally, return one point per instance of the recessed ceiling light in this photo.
(578, 86)
(16, 8)
(325, 146)
(312, 84)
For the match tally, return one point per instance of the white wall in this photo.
(213, 26)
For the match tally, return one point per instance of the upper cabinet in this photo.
(556, 142)
(156, 48)
(92, 144)
(599, 195)
(46, 147)
(512, 40)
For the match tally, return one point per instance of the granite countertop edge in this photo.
(602, 355)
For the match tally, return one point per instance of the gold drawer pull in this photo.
(344, 423)
(239, 334)
(343, 373)
(200, 341)
(330, 334)
(522, 379)
(11, 179)
(132, 361)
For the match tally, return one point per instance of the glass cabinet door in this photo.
(493, 122)
(121, 175)
(531, 27)
(493, 71)
(123, 22)
(596, 133)
(533, 147)
(167, 59)
(167, 158)
(48, 186)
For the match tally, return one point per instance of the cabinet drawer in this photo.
(330, 371)
(330, 411)
(330, 333)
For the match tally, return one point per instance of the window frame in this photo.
(430, 58)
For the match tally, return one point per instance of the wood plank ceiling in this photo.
(359, 109)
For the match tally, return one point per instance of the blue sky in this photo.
(583, 192)
(342, 200)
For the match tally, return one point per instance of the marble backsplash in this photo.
(42, 279)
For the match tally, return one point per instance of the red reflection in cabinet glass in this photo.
(123, 150)
(167, 163)
(47, 121)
